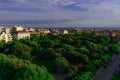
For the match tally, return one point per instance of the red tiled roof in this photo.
(34, 32)
(22, 31)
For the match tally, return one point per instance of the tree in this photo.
(116, 76)
(3, 46)
(12, 68)
(83, 50)
(67, 48)
(46, 43)
(114, 48)
(62, 64)
(20, 50)
(82, 76)
(76, 57)
(73, 69)
(94, 56)
(91, 46)
(49, 54)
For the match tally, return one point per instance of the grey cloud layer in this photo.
(87, 13)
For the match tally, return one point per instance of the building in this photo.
(44, 31)
(17, 28)
(7, 30)
(63, 31)
(21, 35)
(1, 29)
(34, 33)
(77, 31)
(54, 31)
(31, 29)
(7, 37)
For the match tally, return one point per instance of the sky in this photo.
(67, 13)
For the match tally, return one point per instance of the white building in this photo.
(7, 37)
(31, 29)
(21, 35)
(44, 31)
(7, 30)
(63, 31)
(1, 29)
(17, 28)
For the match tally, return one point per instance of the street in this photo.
(106, 72)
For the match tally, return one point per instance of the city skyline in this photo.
(57, 13)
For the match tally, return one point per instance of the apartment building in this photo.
(17, 28)
(7, 37)
(63, 31)
(21, 35)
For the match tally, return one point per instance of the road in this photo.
(107, 73)
(60, 76)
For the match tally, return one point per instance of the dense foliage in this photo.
(12, 68)
(116, 76)
(78, 55)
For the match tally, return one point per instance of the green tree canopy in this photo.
(114, 48)
(62, 64)
(20, 50)
(12, 68)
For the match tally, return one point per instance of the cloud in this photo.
(61, 12)
(63, 2)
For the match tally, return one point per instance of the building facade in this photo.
(7, 37)
(21, 35)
